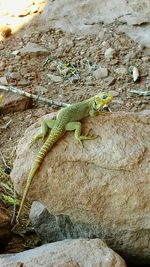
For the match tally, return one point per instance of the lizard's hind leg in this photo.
(45, 126)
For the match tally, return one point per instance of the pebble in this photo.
(14, 75)
(121, 71)
(110, 80)
(54, 78)
(15, 52)
(23, 82)
(100, 73)
(3, 81)
(145, 59)
(114, 93)
(40, 89)
(33, 49)
(110, 53)
(89, 81)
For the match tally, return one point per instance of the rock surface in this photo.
(68, 253)
(86, 17)
(103, 186)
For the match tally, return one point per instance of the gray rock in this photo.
(121, 71)
(110, 80)
(50, 228)
(33, 49)
(100, 73)
(15, 52)
(114, 93)
(68, 253)
(14, 75)
(55, 78)
(110, 53)
(3, 81)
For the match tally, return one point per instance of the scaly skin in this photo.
(68, 119)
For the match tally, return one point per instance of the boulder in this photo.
(68, 253)
(104, 186)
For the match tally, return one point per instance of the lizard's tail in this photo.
(51, 140)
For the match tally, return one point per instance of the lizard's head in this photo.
(101, 100)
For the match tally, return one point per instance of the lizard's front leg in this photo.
(45, 126)
(77, 126)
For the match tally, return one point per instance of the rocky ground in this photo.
(68, 68)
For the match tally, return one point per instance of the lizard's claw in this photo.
(86, 136)
(39, 136)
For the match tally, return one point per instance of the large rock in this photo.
(84, 17)
(103, 186)
(68, 253)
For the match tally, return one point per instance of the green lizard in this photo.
(67, 119)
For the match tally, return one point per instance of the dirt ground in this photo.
(67, 73)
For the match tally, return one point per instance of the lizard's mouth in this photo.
(107, 107)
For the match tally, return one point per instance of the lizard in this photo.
(67, 119)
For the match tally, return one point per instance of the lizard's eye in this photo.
(104, 96)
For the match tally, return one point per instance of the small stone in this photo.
(52, 67)
(114, 93)
(40, 89)
(14, 75)
(55, 78)
(23, 82)
(100, 73)
(15, 52)
(33, 49)
(3, 81)
(145, 59)
(121, 71)
(110, 53)
(105, 44)
(114, 61)
(110, 80)
(89, 81)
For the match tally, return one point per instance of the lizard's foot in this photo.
(37, 137)
(87, 136)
